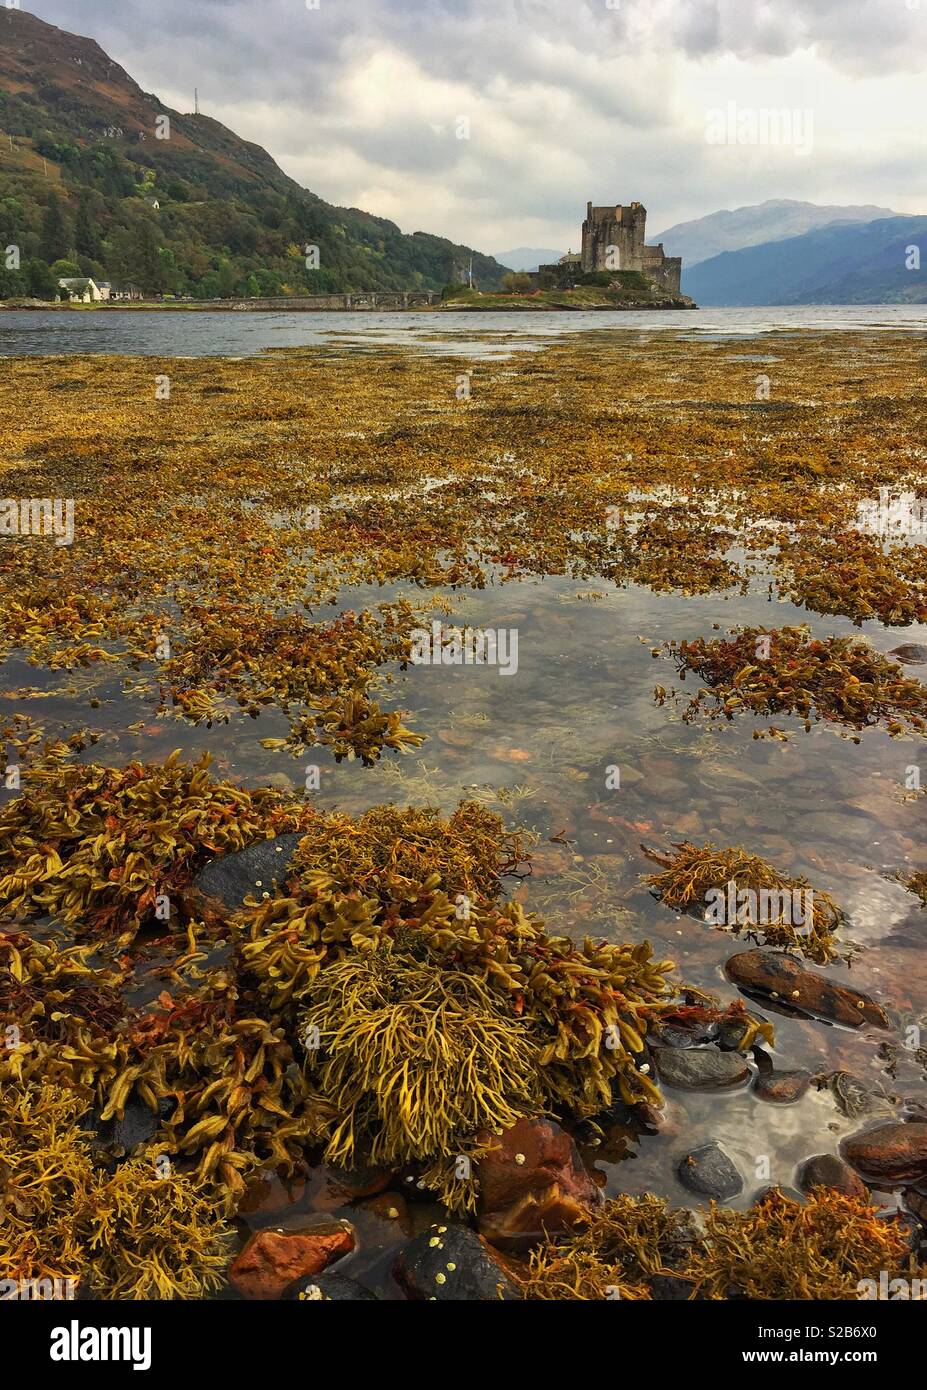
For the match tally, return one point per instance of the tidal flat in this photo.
(322, 955)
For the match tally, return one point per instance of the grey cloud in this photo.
(570, 98)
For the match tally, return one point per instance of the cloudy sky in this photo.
(493, 121)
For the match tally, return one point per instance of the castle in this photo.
(613, 239)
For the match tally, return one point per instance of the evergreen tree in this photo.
(40, 283)
(86, 238)
(56, 238)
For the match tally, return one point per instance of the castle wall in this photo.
(618, 226)
(665, 270)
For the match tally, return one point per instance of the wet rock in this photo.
(390, 1211)
(906, 1225)
(700, 1069)
(670, 1288)
(830, 1170)
(649, 1116)
(269, 1195)
(450, 1262)
(532, 1217)
(355, 1183)
(682, 1035)
(114, 1140)
(329, 1288)
(250, 872)
(780, 1188)
(341, 1185)
(891, 1155)
(910, 653)
(916, 1203)
(532, 1182)
(732, 1030)
(709, 1172)
(782, 1087)
(782, 977)
(274, 1258)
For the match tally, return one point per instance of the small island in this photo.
(615, 269)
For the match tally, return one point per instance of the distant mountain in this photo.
(751, 226)
(526, 257)
(844, 263)
(101, 177)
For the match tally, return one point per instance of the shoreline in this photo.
(243, 307)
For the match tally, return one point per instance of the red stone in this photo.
(533, 1181)
(782, 977)
(892, 1154)
(272, 1259)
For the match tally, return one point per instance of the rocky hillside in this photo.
(100, 178)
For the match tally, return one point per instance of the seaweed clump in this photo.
(235, 1099)
(391, 853)
(409, 1056)
(419, 1046)
(403, 992)
(840, 680)
(917, 884)
(781, 1248)
(696, 874)
(624, 1243)
(854, 575)
(132, 1235)
(96, 846)
(357, 880)
(820, 1249)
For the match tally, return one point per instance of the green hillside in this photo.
(82, 167)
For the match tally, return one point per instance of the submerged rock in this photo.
(250, 872)
(830, 1170)
(532, 1182)
(700, 1068)
(854, 1097)
(338, 1186)
(329, 1288)
(670, 1288)
(274, 1258)
(269, 1195)
(683, 1035)
(452, 1262)
(916, 1203)
(782, 1087)
(114, 1140)
(781, 977)
(732, 1030)
(891, 1155)
(910, 653)
(709, 1172)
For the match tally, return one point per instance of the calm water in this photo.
(241, 334)
(536, 745)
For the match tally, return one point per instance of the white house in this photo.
(82, 290)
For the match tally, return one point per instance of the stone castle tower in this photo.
(618, 227)
(614, 239)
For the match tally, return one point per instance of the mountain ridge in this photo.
(775, 219)
(841, 263)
